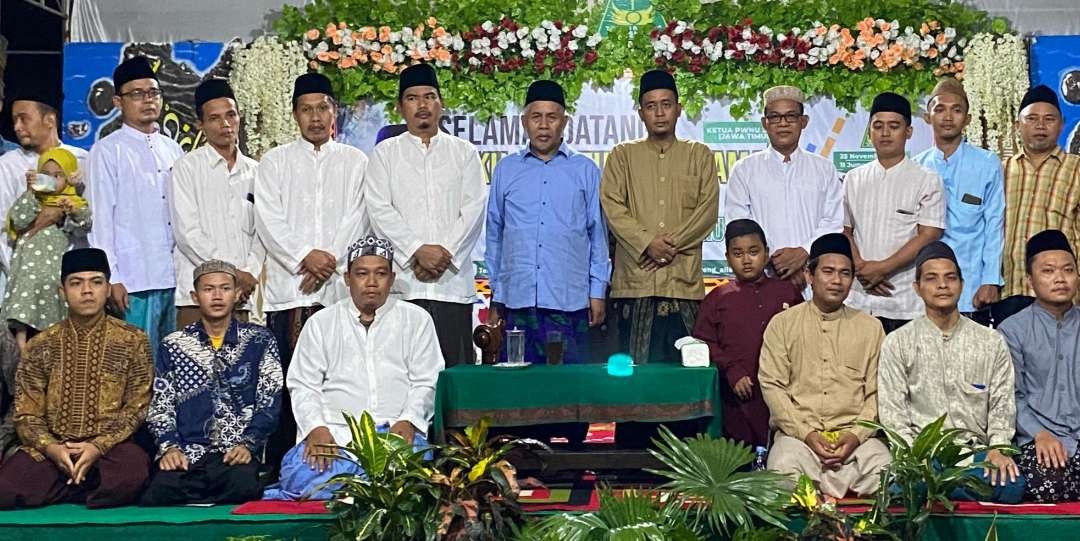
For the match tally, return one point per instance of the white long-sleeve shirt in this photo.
(307, 200)
(13, 167)
(127, 186)
(213, 216)
(794, 202)
(388, 369)
(433, 194)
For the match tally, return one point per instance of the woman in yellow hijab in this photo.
(32, 301)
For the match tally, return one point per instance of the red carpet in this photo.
(272, 507)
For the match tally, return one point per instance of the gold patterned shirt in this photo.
(83, 383)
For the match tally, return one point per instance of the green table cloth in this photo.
(574, 393)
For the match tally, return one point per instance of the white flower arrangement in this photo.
(262, 80)
(995, 79)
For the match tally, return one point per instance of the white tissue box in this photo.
(695, 353)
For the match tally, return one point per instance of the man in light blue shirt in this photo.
(975, 196)
(546, 251)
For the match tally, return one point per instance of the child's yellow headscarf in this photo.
(70, 165)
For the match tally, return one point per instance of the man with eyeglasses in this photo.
(794, 195)
(128, 188)
(1042, 185)
(661, 198)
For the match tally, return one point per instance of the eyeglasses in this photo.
(142, 95)
(775, 118)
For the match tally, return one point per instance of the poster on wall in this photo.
(602, 119)
(1055, 62)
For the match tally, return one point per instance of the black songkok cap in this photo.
(888, 102)
(831, 243)
(937, 250)
(134, 68)
(211, 89)
(417, 75)
(311, 83)
(544, 90)
(1045, 241)
(84, 260)
(739, 228)
(37, 93)
(656, 80)
(1041, 93)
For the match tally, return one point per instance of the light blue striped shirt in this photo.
(975, 213)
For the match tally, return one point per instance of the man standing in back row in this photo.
(795, 196)
(661, 198)
(309, 204)
(426, 194)
(127, 186)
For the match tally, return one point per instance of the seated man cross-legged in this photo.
(1045, 342)
(81, 391)
(217, 395)
(367, 352)
(818, 373)
(946, 363)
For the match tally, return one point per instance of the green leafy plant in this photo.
(394, 500)
(477, 485)
(706, 471)
(468, 493)
(922, 475)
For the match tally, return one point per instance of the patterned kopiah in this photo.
(371, 245)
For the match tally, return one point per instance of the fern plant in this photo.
(923, 473)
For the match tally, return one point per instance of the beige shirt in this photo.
(818, 371)
(966, 373)
(646, 191)
(884, 208)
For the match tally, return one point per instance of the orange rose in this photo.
(331, 29)
(924, 29)
(384, 33)
(932, 53)
(885, 27)
(431, 22)
(940, 39)
(323, 56)
(312, 34)
(441, 54)
(359, 56)
(377, 57)
(346, 63)
(386, 49)
(334, 55)
(389, 67)
(368, 33)
(336, 39)
(836, 58)
(438, 32)
(866, 25)
(313, 64)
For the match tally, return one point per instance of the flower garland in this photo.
(877, 42)
(996, 78)
(262, 80)
(487, 48)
